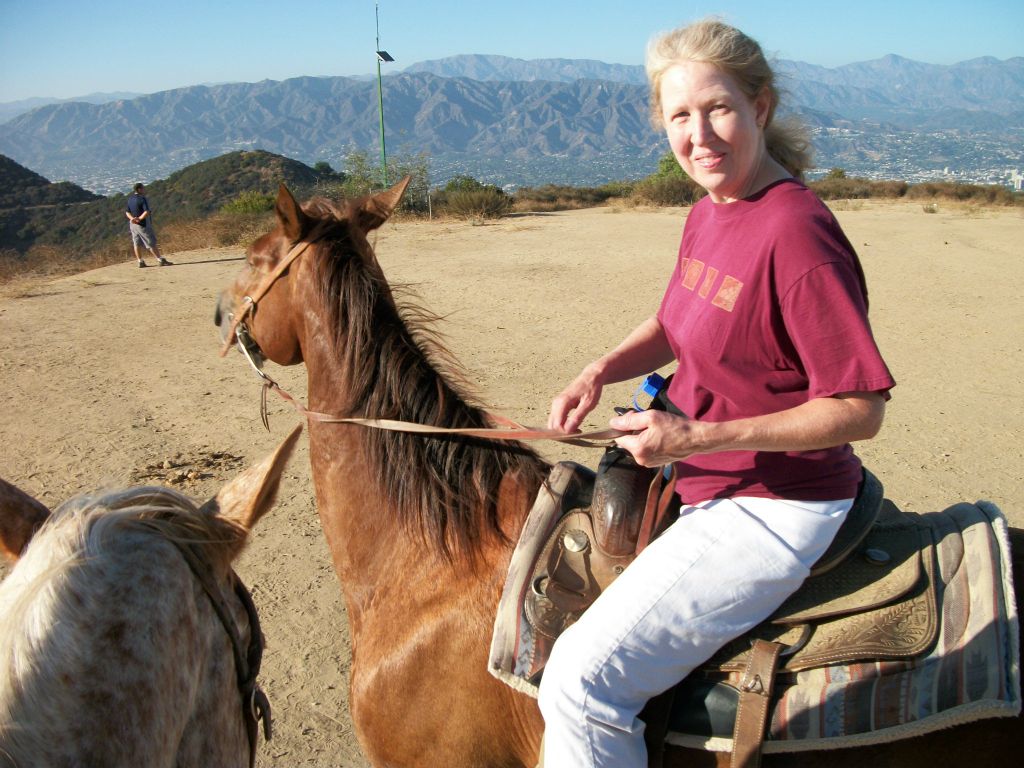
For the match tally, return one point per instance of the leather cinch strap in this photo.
(755, 704)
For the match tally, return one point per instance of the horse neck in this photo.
(394, 376)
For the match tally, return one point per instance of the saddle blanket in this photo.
(971, 673)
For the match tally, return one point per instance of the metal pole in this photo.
(380, 104)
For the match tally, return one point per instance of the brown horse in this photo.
(125, 637)
(421, 529)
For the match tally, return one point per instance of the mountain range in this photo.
(512, 121)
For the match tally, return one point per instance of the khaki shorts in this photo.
(142, 235)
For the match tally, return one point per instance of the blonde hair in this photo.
(714, 42)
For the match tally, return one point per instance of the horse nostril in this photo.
(216, 315)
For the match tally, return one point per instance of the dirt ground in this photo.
(111, 377)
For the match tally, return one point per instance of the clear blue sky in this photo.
(64, 48)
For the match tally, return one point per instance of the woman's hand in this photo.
(657, 438)
(645, 349)
(578, 399)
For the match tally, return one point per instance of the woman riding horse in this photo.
(766, 315)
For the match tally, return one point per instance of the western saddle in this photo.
(857, 603)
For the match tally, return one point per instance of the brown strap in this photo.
(755, 700)
(658, 497)
(513, 431)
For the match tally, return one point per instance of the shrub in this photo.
(485, 203)
(890, 189)
(667, 190)
(362, 177)
(219, 230)
(249, 202)
(467, 197)
(462, 184)
(559, 197)
(990, 194)
(841, 188)
(669, 185)
(325, 172)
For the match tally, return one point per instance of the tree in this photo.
(669, 168)
(462, 184)
(324, 171)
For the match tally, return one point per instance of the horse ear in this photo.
(294, 222)
(20, 518)
(250, 495)
(377, 209)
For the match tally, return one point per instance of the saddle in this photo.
(870, 596)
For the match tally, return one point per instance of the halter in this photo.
(255, 705)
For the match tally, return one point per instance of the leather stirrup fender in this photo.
(754, 705)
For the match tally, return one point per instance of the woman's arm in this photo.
(644, 350)
(659, 438)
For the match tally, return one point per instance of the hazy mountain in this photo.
(503, 68)
(985, 84)
(325, 118)
(507, 120)
(10, 109)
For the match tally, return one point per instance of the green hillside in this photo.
(203, 188)
(84, 227)
(22, 188)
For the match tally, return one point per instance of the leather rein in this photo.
(238, 334)
(255, 704)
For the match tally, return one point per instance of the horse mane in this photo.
(49, 586)
(445, 487)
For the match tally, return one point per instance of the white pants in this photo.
(722, 568)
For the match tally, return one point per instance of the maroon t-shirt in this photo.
(766, 310)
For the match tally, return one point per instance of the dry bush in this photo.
(559, 197)
(668, 190)
(220, 230)
(46, 262)
(987, 194)
(483, 203)
(841, 188)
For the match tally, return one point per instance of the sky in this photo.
(66, 48)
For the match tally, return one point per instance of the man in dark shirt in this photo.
(140, 224)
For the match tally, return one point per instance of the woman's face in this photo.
(714, 129)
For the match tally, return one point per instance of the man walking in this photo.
(140, 220)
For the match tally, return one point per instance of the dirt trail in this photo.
(112, 377)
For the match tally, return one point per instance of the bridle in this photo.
(255, 704)
(238, 334)
(249, 302)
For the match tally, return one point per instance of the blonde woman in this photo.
(778, 372)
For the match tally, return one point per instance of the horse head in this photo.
(125, 637)
(267, 308)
